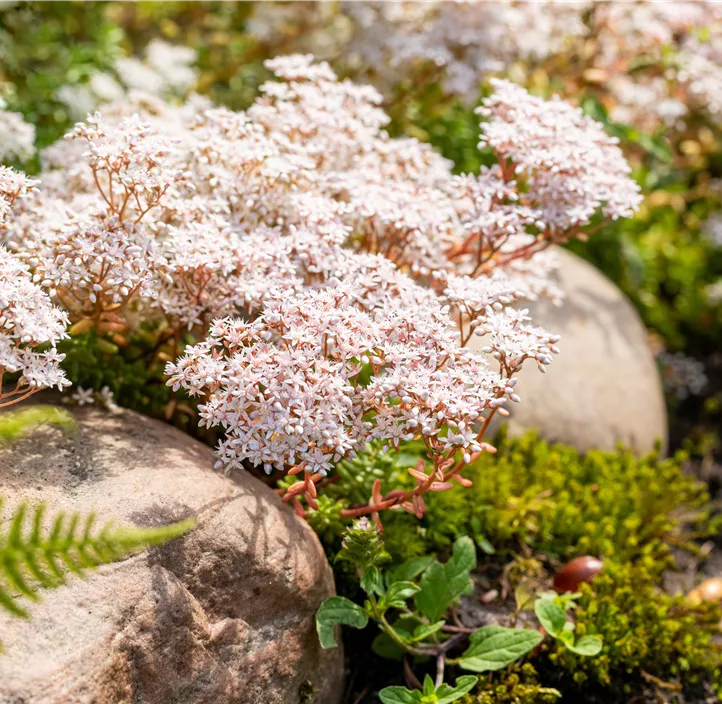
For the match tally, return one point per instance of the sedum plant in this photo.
(31, 325)
(655, 64)
(318, 265)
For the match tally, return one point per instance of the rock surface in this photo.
(224, 614)
(604, 387)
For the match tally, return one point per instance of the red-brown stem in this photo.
(17, 400)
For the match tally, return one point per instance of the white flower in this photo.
(17, 137)
(30, 327)
(83, 396)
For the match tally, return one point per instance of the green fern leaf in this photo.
(15, 424)
(32, 557)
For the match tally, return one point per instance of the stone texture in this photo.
(224, 614)
(604, 387)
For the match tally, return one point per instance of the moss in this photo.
(517, 687)
(555, 501)
(648, 635)
(547, 498)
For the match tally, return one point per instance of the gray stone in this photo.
(224, 614)
(604, 387)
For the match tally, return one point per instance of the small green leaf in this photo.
(386, 648)
(463, 559)
(433, 598)
(371, 581)
(523, 596)
(399, 695)
(399, 592)
(410, 569)
(551, 616)
(422, 632)
(429, 688)
(587, 646)
(442, 584)
(337, 609)
(447, 694)
(485, 545)
(495, 647)
(567, 635)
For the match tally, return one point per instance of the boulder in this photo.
(604, 387)
(224, 614)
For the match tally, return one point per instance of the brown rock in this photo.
(224, 614)
(603, 388)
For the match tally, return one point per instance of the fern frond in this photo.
(15, 424)
(32, 557)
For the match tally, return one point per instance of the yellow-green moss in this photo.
(547, 497)
(646, 632)
(520, 686)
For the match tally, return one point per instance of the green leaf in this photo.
(551, 616)
(463, 559)
(442, 584)
(447, 694)
(495, 647)
(422, 632)
(31, 557)
(371, 581)
(586, 645)
(485, 545)
(410, 569)
(399, 695)
(338, 609)
(387, 648)
(523, 596)
(399, 592)
(429, 688)
(433, 598)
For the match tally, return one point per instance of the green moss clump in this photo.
(132, 372)
(546, 497)
(555, 501)
(517, 687)
(647, 634)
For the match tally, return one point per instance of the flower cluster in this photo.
(683, 376)
(650, 63)
(330, 261)
(13, 185)
(30, 325)
(700, 68)
(166, 70)
(289, 387)
(467, 40)
(571, 166)
(17, 137)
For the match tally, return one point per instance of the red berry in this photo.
(581, 569)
